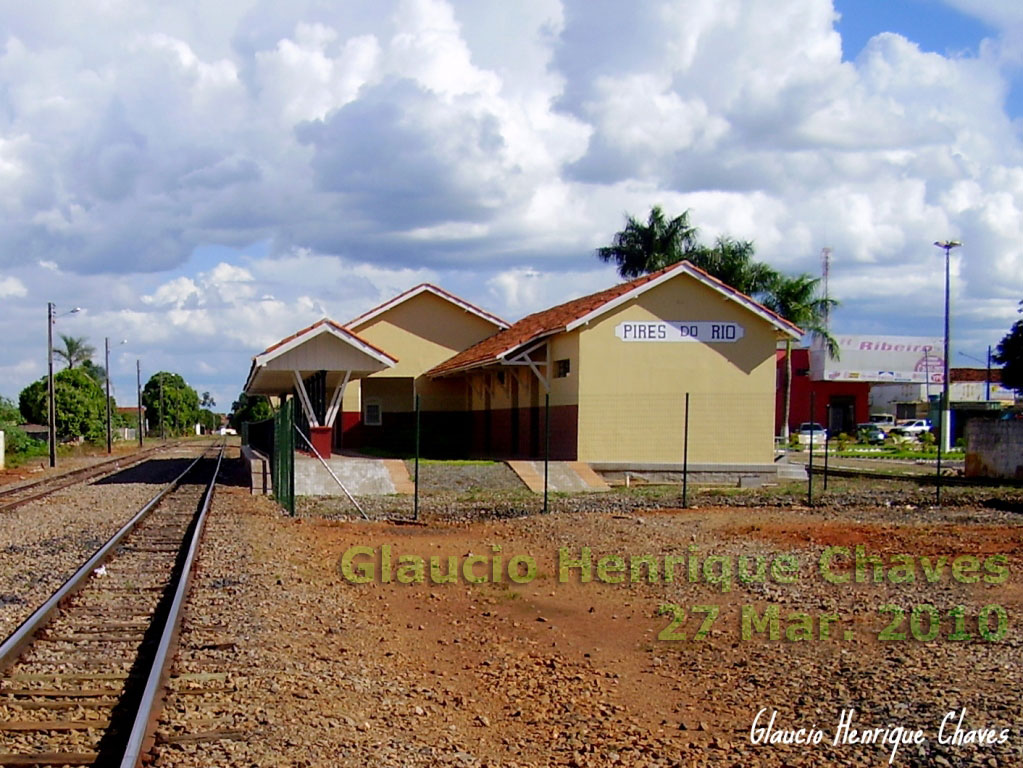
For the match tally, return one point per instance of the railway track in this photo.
(81, 678)
(19, 495)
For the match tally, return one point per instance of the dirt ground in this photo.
(321, 671)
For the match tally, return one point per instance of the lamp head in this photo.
(948, 244)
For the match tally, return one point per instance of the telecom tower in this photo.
(826, 270)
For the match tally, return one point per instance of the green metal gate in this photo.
(283, 461)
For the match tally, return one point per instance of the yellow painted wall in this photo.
(631, 394)
(422, 332)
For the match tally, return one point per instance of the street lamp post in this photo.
(51, 418)
(161, 409)
(138, 390)
(106, 355)
(944, 441)
(106, 352)
(51, 395)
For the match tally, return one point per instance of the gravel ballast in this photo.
(43, 542)
(320, 671)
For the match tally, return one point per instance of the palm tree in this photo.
(731, 261)
(642, 248)
(796, 298)
(76, 350)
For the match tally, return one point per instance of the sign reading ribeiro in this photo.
(707, 332)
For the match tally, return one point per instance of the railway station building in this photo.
(610, 370)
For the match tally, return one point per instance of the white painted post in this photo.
(1, 449)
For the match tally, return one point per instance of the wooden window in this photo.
(562, 368)
(372, 415)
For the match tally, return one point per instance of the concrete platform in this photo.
(362, 476)
(563, 476)
(258, 469)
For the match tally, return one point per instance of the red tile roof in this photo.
(975, 374)
(554, 320)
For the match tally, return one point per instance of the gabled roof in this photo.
(426, 288)
(324, 325)
(572, 314)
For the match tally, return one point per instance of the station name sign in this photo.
(707, 332)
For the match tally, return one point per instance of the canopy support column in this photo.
(303, 397)
(336, 400)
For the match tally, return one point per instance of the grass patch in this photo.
(902, 453)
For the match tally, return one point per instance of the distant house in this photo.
(130, 413)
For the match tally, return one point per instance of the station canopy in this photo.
(325, 349)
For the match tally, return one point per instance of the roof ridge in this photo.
(436, 290)
(561, 316)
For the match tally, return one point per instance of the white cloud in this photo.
(486, 146)
(11, 286)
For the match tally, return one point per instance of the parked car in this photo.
(870, 433)
(811, 432)
(885, 420)
(912, 427)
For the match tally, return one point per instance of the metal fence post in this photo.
(415, 503)
(809, 466)
(941, 431)
(827, 441)
(546, 446)
(685, 457)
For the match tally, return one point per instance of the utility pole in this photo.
(161, 408)
(987, 384)
(138, 388)
(51, 396)
(945, 438)
(106, 353)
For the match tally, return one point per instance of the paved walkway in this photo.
(566, 476)
(362, 476)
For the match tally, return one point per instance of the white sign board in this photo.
(894, 359)
(707, 332)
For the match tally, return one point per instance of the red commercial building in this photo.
(849, 400)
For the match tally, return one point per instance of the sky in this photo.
(203, 179)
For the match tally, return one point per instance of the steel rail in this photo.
(140, 739)
(80, 475)
(11, 648)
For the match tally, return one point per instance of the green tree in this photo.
(97, 372)
(1009, 354)
(9, 412)
(798, 300)
(731, 261)
(80, 405)
(76, 350)
(209, 420)
(17, 444)
(249, 408)
(180, 411)
(641, 248)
